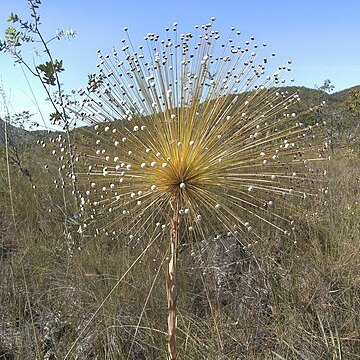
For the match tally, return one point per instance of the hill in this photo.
(309, 98)
(18, 135)
(344, 94)
(15, 134)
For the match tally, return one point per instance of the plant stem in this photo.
(171, 283)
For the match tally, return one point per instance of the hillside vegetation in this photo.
(66, 293)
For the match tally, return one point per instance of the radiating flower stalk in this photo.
(188, 135)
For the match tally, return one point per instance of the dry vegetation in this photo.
(279, 301)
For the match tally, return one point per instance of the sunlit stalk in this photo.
(171, 283)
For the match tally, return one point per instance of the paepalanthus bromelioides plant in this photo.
(188, 134)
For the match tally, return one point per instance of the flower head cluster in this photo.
(192, 124)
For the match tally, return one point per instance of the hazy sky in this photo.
(321, 37)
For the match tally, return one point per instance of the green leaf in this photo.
(49, 71)
(13, 18)
(13, 37)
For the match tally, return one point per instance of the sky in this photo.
(322, 38)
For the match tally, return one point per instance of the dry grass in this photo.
(282, 301)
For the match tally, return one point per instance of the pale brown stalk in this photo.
(171, 284)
